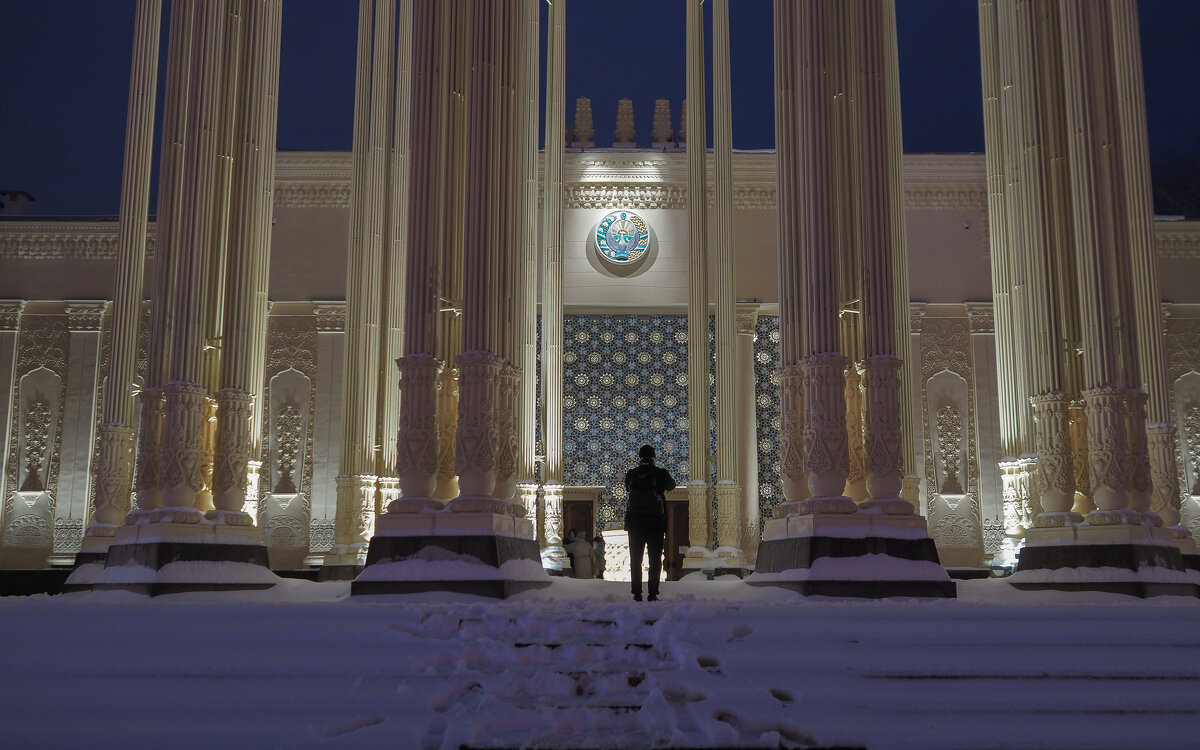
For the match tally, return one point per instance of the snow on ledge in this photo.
(872, 567)
(415, 569)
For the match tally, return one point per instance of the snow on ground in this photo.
(716, 664)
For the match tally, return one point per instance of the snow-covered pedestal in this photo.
(481, 546)
(171, 557)
(867, 554)
(1119, 551)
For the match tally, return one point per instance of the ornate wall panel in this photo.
(285, 489)
(951, 464)
(1182, 352)
(35, 441)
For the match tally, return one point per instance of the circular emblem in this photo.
(622, 237)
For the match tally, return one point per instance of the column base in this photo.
(712, 564)
(166, 558)
(862, 555)
(466, 562)
(1135, 560)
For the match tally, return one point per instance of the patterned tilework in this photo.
(766, 397)
(626, 385)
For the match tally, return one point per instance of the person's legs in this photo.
(655, 543)
(637, 547)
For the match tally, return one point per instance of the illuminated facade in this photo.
(326, 353)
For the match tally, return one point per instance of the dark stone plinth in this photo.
(1127, 556)
(339, 572)
(31, 582)
(156, 555)
(302, 574)
(1131, 588)
(1191, 562)
(1138, 558)
(869, 589)
(968, 574)
(490, 551)
(780, 555)
(88, 558)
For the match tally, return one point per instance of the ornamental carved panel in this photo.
(950, 436)
(39, 390)
(1182, 354)
(289, 391)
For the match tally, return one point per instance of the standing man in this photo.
(646, 519)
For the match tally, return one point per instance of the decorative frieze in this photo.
(312, 195)
(981, 316)
(64, 240)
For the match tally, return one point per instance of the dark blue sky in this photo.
(67, 67)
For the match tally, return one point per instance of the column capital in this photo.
(747, 317)
(331, 316)
(10, 314)
(981, 317)
(86, 315)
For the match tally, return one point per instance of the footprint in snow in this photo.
(710, 664)
(739, 634)
(782, 696)
(337, 729)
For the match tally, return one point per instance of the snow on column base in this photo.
(490, 565)
(1137, 560)
(163, 558)
(714, 563)
(872, 567)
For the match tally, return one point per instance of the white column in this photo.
(748, 513)
(700, 531)
(730, 526)
(484, 437)
(527, 287)
(420, 369)
(552, 278)
(372, 117)
(1087, 62)
(245, 329)
(148, 472)
(1131, 104)
(394, 264)
(184, 421)
(114, 465)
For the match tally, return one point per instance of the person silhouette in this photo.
(646, 520)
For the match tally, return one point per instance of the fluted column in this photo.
(902, 335)
(700, 532)
(1135, 152)
(527, 287)
(484, 437)
(999, 242)
(185, 415)
(249, 254)
(748, 516)
(148, 473)
(729, 507)
(552, 275)
(114, 464)
(372, 108)
(422, 417)
(393, 266)
(1088, 86)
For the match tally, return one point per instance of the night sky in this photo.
(66, 78)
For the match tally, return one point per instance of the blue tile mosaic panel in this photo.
(625, 385)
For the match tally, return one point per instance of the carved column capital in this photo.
(981, 316)
(331, 316)
(826, 457)
(10, 314)
(1108, 447)
(746, 317)
(86, 315)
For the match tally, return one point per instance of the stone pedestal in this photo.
(1129, 556)
(167, 558)
(480, 546)
(862, 555)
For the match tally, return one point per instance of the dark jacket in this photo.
(663, 482)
